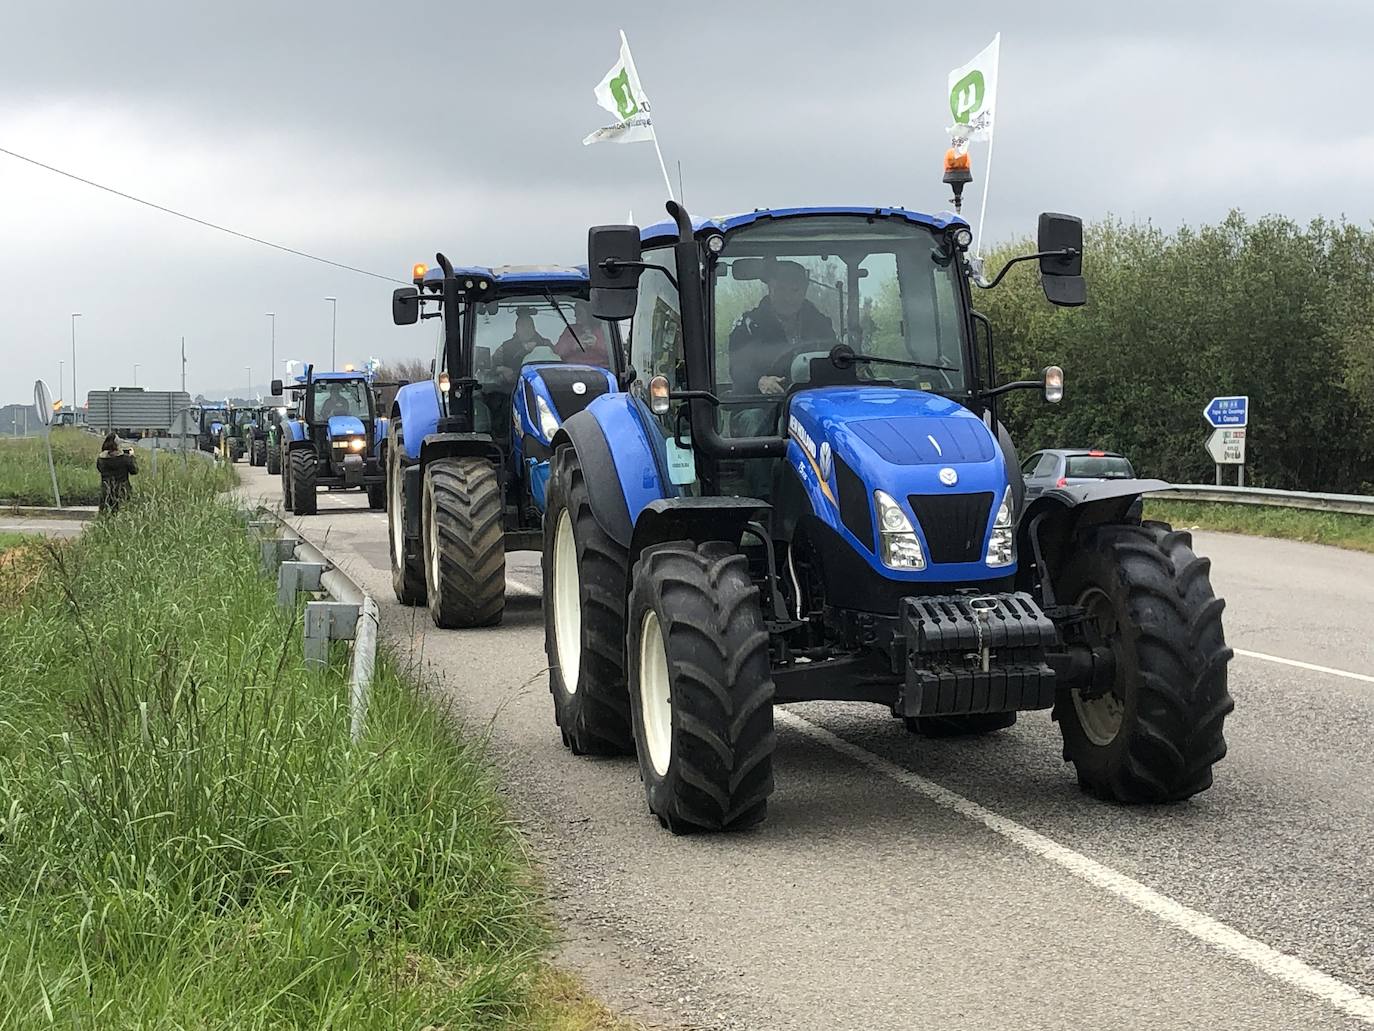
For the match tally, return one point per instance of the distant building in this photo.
(16, 420)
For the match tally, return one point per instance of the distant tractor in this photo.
(235, 436)
(273, 424)
(211, 420)
(334, 442)
(806, 493)
(468, 451)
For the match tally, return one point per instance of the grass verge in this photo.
(187, 839)
(14, 540)
(25, 480)
(1339, 529)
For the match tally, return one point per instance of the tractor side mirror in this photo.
(613, 257)
(1061, 274)
(276, 388)
(1052, 384)
(405, 306)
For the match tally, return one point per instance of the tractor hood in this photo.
(932, 456)
(345, 426)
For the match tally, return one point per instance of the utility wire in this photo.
(202, 222)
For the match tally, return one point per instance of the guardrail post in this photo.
(327, 621)
(364, 660)
(294, 577)
(273, 551)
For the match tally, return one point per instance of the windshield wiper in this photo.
(558, 308)
(843, 356)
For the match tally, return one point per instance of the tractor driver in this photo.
(337, 401)
(507, 358)
(783, 325)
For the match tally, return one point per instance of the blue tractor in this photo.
(804, 492)
(467, 452)
(334, 441)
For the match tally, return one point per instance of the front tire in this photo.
(465, 545)
(585, 573)
(1155, 735)
(407, 574)
(304, 467)
(259, 455)
(376, 496)
(701, 689)
(273, 461)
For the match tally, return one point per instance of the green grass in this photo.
(14, 540)
(1336, 528)
(25, 480)
(187, 839)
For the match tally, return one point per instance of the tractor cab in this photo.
(518, 352)
(805, 493)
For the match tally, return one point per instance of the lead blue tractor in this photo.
(805, 493)
(334, 440)
(468, 452)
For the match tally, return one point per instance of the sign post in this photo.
(42, 406)
(1228, 417)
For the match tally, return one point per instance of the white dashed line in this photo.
(1365, 677)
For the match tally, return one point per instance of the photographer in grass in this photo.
(115, 466)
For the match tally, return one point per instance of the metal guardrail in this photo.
(346, 613)
(1354, 504)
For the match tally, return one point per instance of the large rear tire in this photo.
(376, 496)
(407, 574)
(259, 455)
(701, 689)
(960, 726)
(273, 461)
(1156, 734)
(286, 482)
(585, 573)
(465, 544)
(304, 467)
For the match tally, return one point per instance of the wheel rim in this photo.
(1100, 717)
(655, 698)
(567, 612)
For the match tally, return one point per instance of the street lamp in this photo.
(273, 363)
(333, 333)
(249, 370)
(75, 315)
(60, 381)
(136, 368)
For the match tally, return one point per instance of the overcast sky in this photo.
(376, 134)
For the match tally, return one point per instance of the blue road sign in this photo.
(1227, 411)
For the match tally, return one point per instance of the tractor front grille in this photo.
(954, 524)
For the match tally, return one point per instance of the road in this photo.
(908, 883)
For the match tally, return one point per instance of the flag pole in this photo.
(634, 73)
(983, 204)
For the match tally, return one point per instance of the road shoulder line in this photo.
(1297, 664)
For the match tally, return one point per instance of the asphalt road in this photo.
(906, 883)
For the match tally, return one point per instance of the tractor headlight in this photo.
(548, 422)
(1002, 543)
(899, 546)
(357, 444)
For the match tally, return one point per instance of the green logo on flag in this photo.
(967, 97)
(624, 99)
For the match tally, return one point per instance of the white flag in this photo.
(973, 96)
(621, 94)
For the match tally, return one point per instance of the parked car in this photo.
(1065, 467)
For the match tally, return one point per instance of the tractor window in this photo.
(518, 331)
(333, 397)
(656, 336)
(788, 291)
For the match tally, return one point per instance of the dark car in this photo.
(1064, 467)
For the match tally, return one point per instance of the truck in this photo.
(467, 452)
(806, 492)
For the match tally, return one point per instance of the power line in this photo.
(201, 221)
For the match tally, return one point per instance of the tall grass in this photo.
(25, 479)
(186, 837)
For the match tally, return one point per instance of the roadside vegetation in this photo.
(187, 838)
(1339, 529)
(25, 480)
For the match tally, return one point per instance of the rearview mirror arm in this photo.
(1020, 384)
(1066, 253)
(613, 265)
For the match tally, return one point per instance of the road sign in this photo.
(1227, 411)
(42, 402)
(1226, 445)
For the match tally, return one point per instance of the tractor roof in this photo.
(666, 231)
(337, 376)
(525, 276)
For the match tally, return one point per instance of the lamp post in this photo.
(136, 368)
(60, 373)
(273, 363)
(333, 333)
(249, 370)
(75, 315)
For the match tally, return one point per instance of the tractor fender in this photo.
(458, 445)
(622, 480)
(295, 432)
(1046, 530)
(1013, 464)
(417, 406)
(694, 519)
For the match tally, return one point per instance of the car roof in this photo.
(1074, 452)
(666, 231)
(517, 275)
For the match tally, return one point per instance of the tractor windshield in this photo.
(516, 331)
(340, 397)
(790, 290)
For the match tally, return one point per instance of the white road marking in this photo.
(1288, 969)
(1365, 677)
